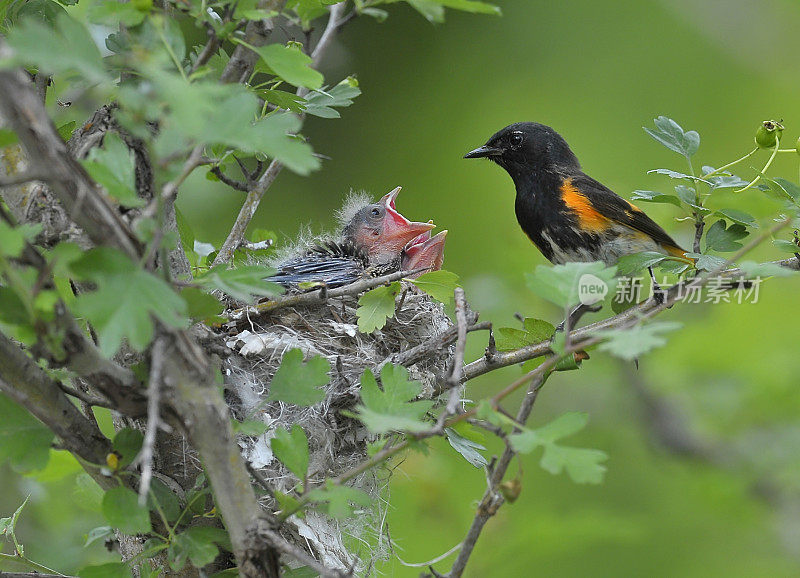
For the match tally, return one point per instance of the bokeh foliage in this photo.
(597, 75)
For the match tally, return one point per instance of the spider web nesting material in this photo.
(336, 442)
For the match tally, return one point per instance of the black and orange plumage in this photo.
(567, 214)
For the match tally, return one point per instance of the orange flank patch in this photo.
(589, 218)
(676, 252)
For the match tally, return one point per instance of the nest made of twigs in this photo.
(336, 442)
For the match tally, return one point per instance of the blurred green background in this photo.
(704, 439)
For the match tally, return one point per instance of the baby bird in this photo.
(371, 244)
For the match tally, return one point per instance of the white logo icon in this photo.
(591, 289)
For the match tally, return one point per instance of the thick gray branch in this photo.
(48, 155)
(28, 384)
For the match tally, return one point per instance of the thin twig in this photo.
(85, 397)
(645, 309)
(209, 50)
(430, 347)
(320, 295)
(276, 541)
(145, 457)
(492, 499)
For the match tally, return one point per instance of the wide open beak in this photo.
(484, 151)
(397, 230)
(424, 252)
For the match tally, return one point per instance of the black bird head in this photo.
(381, 231)
(525, 146)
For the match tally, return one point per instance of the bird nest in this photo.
(336, 442)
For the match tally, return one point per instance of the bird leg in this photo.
(659, 294)
(575, 315)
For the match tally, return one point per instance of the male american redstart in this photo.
(567, 214)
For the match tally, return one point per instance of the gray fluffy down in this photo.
(336, 442)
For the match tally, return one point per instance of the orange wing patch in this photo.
(589, 218)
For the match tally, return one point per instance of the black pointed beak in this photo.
(484, 151)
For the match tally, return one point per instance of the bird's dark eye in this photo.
(375, 212)
(516, 139)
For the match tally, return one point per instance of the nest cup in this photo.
(336, 442)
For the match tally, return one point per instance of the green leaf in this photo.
(630, 344)
(297, 382)
(122, 510)
(201, 306)
(307, 10)
(677, 175)
(322, 102)
(510, 338)
(99, 533)
(376, 306)
(724, 181)
(722, 239)
(46, 11)
(108, 570)
(12, 308)
(13, 239)
(438, 284)
(24, 441)
(8, 525)
(204, 112)
(738, 217)
(114, 13)
(654, 197)
(65, 130)
(126, 300)
(788, 189)
(7, 137)
(431, 10)
(195, 544)
(670, 134)
(534, 331)
(563, 426)
(339, 498)
(67, 49)
(707, 262)
(165, 498)
(752, 269)
(391, 408)
(290, 63)
(471, 6)
(780, 244)
(629, 264)
(468, 449)
(127, 444)
(568, 284)
(583, 465)
(112, 167)
(241, 283)
(291, 448)
(249, 427)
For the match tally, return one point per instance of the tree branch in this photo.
(48, 155)
(26, 383)
(646, 308)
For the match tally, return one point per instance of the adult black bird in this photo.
(371, 244)
(567, 214)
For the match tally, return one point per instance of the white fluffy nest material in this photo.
(336, 442)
